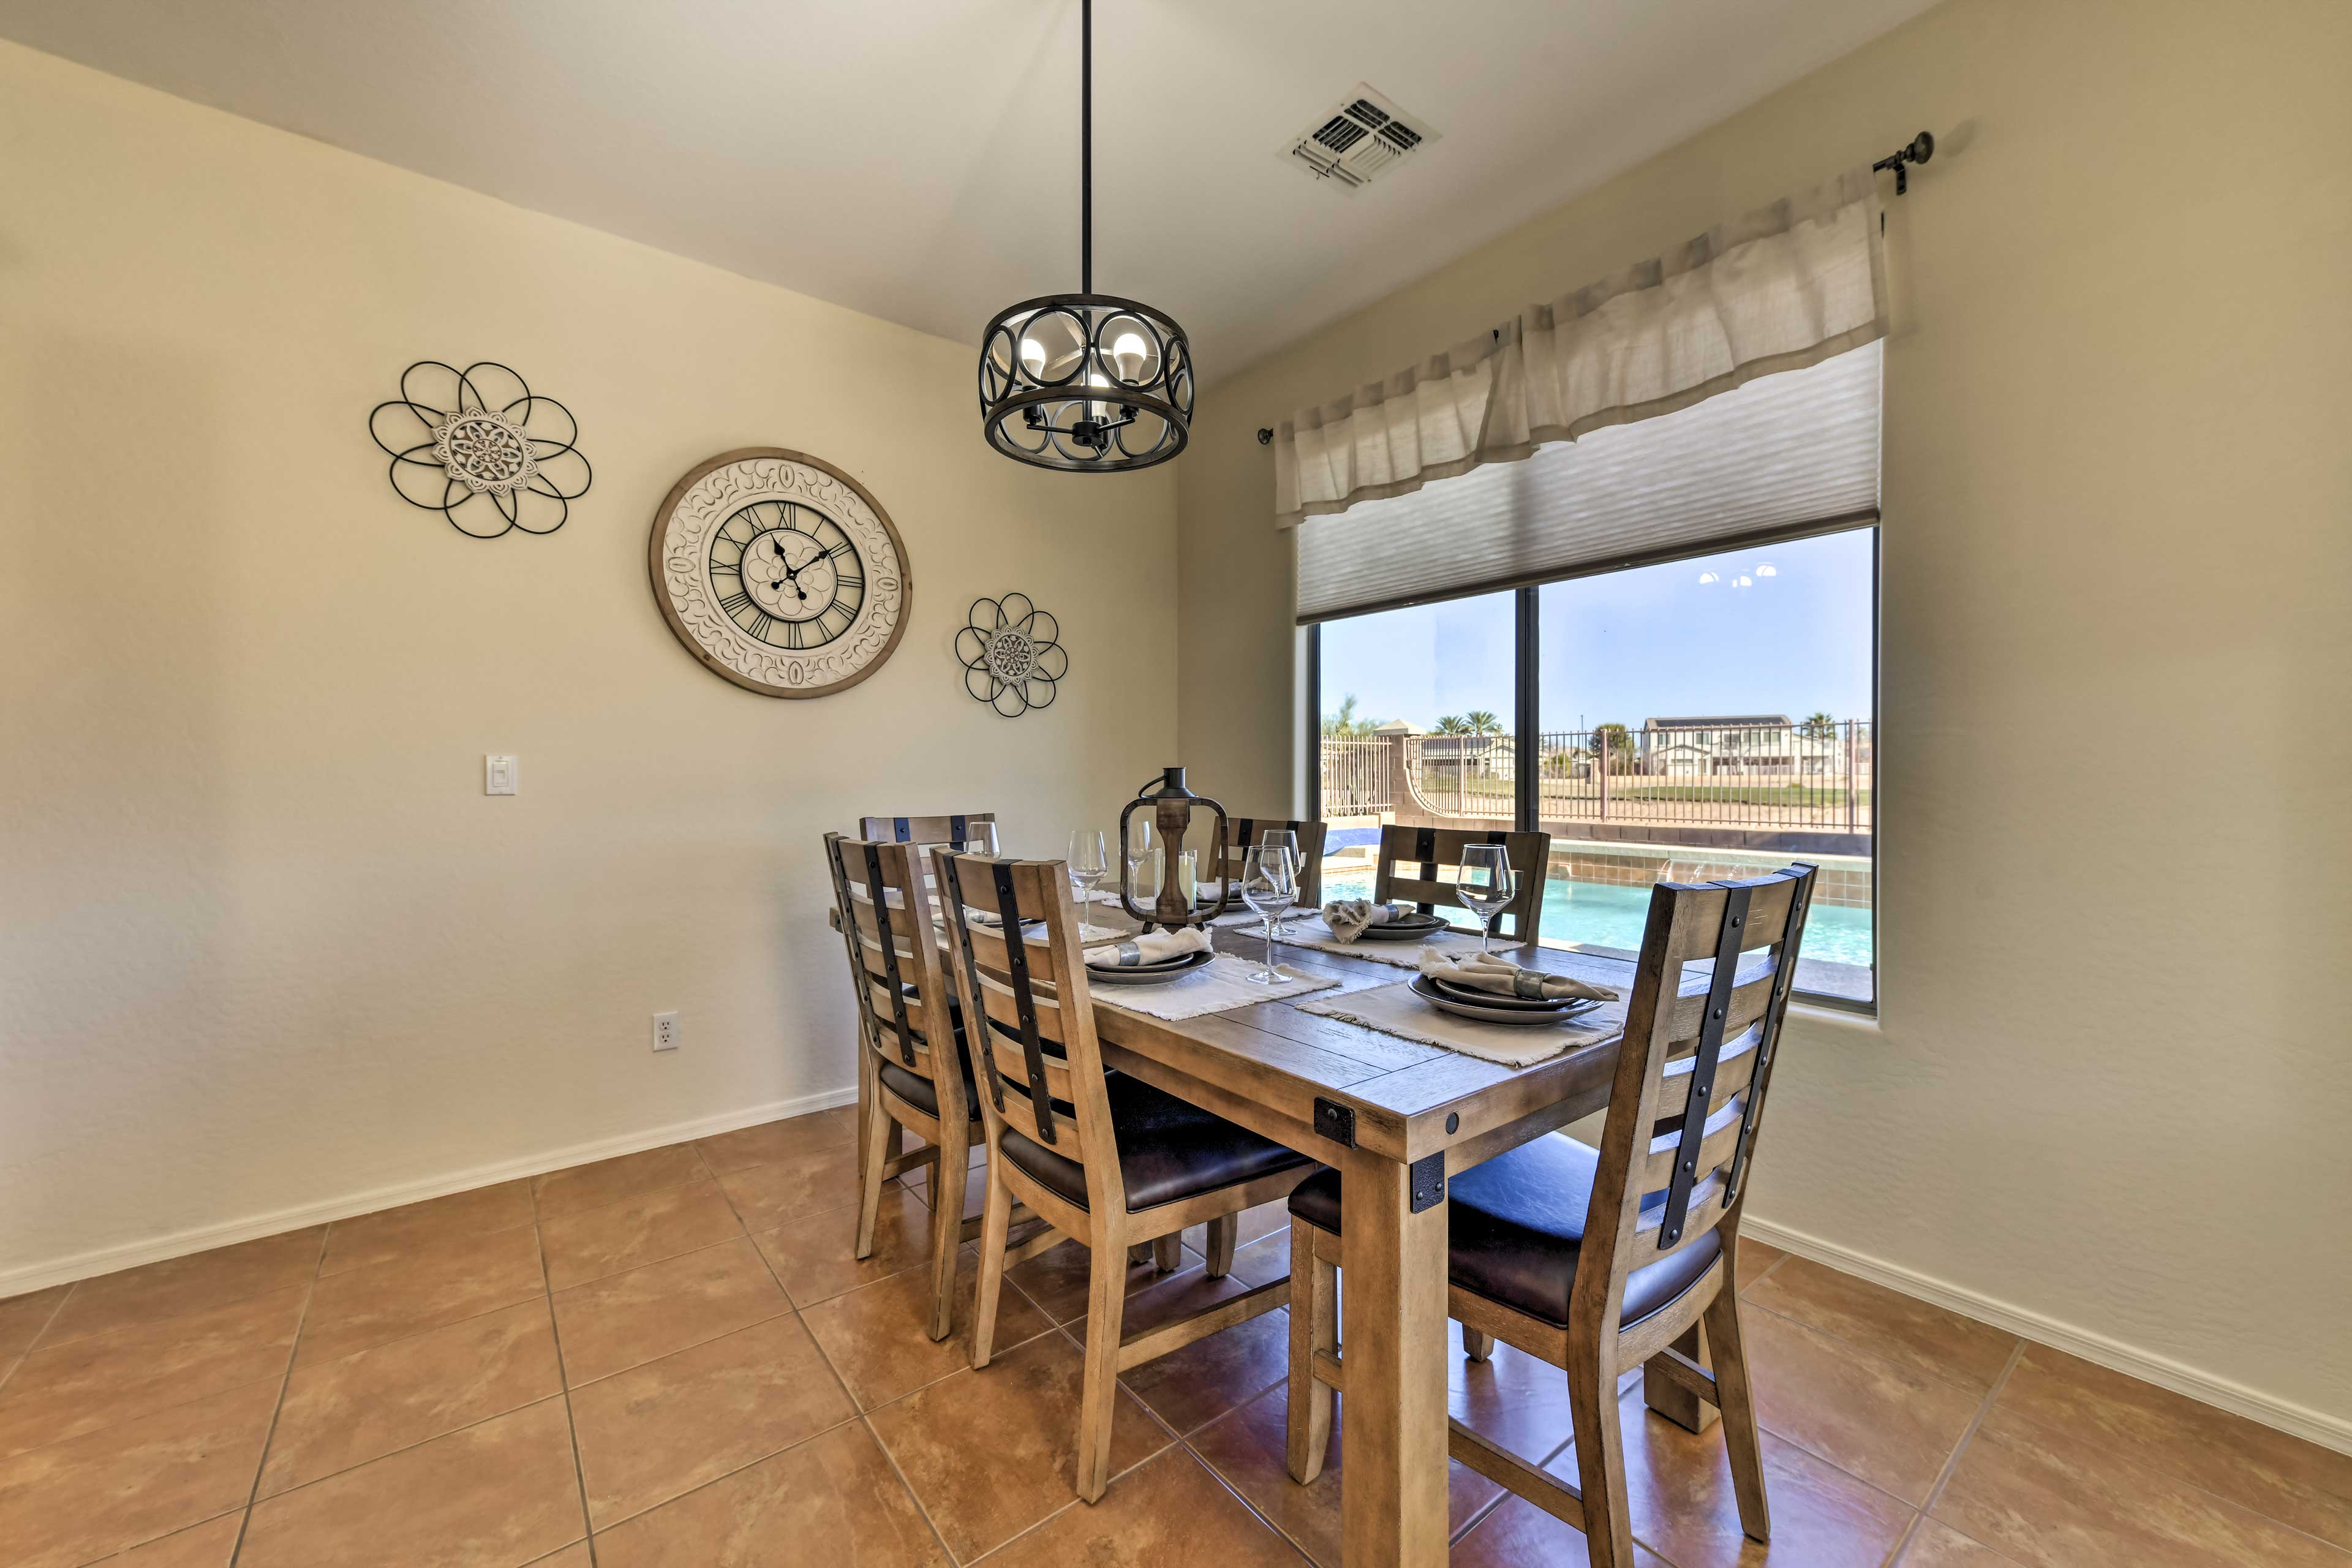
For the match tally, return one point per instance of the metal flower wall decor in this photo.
(1011, 653)
(459, 437)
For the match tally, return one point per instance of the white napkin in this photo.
(1493, 971)
(1349, 917)
(1151, 947)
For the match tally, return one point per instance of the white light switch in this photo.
(499, 775)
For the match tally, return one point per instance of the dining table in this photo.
(1397, 1117)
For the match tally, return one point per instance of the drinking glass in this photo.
(1486, 886)
(1283, 838)
(982, 840)
(1269, 881)
(1145, 875)
(1090, 862)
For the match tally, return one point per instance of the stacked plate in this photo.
(1489, 1007)
(1159, 973)
(1413, 927)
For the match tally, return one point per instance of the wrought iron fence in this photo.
(1803, 775)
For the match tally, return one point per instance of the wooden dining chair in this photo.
(1106, 1159)
(1658, 1205)
(1413, 860)
(924, 831)
(916, 1074)
(1243, 831)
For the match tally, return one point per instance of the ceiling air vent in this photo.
(1358, 140)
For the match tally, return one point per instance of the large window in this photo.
(1689, 721)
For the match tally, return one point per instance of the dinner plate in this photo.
(1510, 1017)
(1456, 992)
(1413, 927)
(1148, 974)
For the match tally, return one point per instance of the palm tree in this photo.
(1818, 726)
(1453, 724)
(1482, 723)
(1346, 722)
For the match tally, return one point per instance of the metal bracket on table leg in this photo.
(1336, 1121)
(1428, 1175)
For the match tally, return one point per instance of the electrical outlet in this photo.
(664, 1031)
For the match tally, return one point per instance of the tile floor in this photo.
(670, 1360)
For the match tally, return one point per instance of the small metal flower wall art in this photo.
(481, 448)
(1011, 653)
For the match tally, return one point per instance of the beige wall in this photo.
(266, 949)
(2109, 1097)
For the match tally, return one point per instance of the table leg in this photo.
(1393, 1443)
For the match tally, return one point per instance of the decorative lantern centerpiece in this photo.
(1173, 807)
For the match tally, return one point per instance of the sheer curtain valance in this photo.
(1784, 288)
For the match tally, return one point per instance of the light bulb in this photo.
(1705, 577)
(1033, 356)
(1743, 581)
(1767, 570)
(1129, 352)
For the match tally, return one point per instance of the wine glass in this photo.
(1146, 876)
(980, 839)
(1285, 838)
(1269, 881)
(1486, 886)
(1089, 863)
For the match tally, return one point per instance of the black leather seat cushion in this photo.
(1168, 1149)
(915, 1088)
(1516, 1226)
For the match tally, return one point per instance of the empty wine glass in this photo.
(1089, 863)
(980, 839)
(1486, 886)
(1285, 838)
(1269, 881)
(1145, 876)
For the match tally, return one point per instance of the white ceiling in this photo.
(918, 160)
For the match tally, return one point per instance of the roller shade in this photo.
(1784, 454)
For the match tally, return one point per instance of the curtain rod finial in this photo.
(1918, 149)
(1264, 436)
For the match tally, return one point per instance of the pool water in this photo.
(1602, 914)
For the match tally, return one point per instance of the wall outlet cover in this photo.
(666, 1032)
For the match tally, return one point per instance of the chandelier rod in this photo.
(1087, 147)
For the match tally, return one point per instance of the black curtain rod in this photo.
(1918, 149)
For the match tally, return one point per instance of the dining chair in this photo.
(1106, 1159)
(917, 1074)
(1412, 859)
(1243, 831)
(924, 831)
(1658, 1205)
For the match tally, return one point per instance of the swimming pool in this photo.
(1602, 914)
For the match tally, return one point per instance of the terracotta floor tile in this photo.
(591, 1186)
(1249, 1449)
(2060, 1500)
(494, 1496)
(1935, 1545)
(1518, 1533)
(1871, 1418)
(975, 1187)
(990, 1453)
(1208, 1378)
(1263, 1261)
(812, 1255)
(625, 1320)
(1923, 1337)
(22, 1319)
(832, 1499)
(206, 1545)
(75, 1501)
(1679, 1489)
(767, 1195)
(2280, 1477)
(1056, 1280)
(643, 1229)
(575, 1555)
(1158, 1300)
(773, 1141)
(398, 1235)
(660, 1429)
(458, 1279)
(874, 1336)
(1255, 1225)
(87, 1383)
(1756, 1261)
(339, 1414)
(190, 1284)
(1511, 1397)
(1168, 1513)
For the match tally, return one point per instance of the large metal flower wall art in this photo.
(1012, 653)
(481, 448)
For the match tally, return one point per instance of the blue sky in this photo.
(1631, 646)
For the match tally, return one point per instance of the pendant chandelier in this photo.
(1085, 383)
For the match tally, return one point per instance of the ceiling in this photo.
(918, 159)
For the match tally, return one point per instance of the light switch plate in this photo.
(500, 775)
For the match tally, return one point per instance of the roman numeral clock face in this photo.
(780, 573)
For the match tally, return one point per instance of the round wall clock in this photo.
(780, 573)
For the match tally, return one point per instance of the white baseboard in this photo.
(179, 1244)
(2313, 1425)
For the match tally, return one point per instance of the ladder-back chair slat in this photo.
(924, 832)
(1243, 831)
(1411, 860)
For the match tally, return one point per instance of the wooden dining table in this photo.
(1397, 1117)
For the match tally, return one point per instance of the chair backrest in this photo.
(1241, 832)
(1028, 1014)
(1414, 863)
(1680, 1134)
(923, 831)
(901, 979)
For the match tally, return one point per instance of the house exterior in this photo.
(1714, 744)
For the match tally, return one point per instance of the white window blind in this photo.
(1785, 454)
